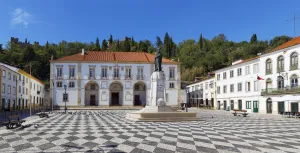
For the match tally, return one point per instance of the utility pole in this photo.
(294, 19)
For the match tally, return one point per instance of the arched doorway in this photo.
(91, 94)
(116, 94)
(139, 93)
(269, 105)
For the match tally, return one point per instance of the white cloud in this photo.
(20, 17)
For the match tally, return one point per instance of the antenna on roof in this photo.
(294, 19)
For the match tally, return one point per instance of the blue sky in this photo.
(71, 20)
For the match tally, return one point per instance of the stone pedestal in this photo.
(157, 109)
(157, 90)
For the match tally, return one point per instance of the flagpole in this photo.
(30, 88)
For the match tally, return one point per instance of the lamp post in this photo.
(65, 98)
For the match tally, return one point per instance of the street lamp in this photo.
(65, 98)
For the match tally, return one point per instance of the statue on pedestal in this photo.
(158, 60)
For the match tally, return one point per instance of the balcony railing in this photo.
(279, 91)
(59, 77)
(280, 69)
(268, 71)
(172, 79)
(294, 67)
(116, 77)
(92, 77)
(128, 77)
(140, 77)
(72, 77)
(104, 77)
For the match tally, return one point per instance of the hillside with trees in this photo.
(197, 57)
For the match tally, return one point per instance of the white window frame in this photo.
(255, 85)
(72, 72)
(171, 85)
(239, 71)
(240, 87)
(224, 76)
(58, 84)
(218, 76)
(128, 72)
(104, 72)
(72, 84)
(247, 70)
(225, 89)
(4, 73)
(231, 87)
(218, 89)
(171, 73)
(9, 89)
(231, 74)
(59, 72)
(3, 88)
(116, 72)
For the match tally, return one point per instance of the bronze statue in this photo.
(158, 60)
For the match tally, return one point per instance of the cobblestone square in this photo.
(110, 131)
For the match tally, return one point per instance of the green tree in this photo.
(200, 41)
(158, 43)
(97, 45)
(104, 45)
(126, 45)
(253, 39)
(110, 40)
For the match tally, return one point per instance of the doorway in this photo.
(92, 100)
(294, 107)
(269, 105)
(137, 100)
(255, 106)
(219, 105)
(115, 99)
(232, 104)
(280, 107)
(240, 104)
(225, 105)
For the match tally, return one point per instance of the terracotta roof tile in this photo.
(113, 57)
(293, 42)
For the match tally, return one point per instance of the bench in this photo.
(242, 112)
(13, 120)
(42, 114)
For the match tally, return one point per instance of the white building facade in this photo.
(237, 86)
(110, 79)
(17, 82)
(201, 93)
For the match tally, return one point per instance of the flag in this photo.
(259, 78)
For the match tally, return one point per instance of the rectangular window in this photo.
(248, 104)
(116, 72)
(19, 77)
(224, 89)
(167, 97)
(247, 70)
(59, 84)
(71, 84)
(140, 74)
(231, 74)
(232, 88)
(239, 71)
(211, 84)
(26, 91)
(248, 86)
(8, 89)
(239, 86)
(171, 85)
(3, 88)
(104, 72)
(23, 90)
(218, 76)
(14, 90)
(30, 85)
(91, 72)
(218, 90)
(9, 76)
(128, 73)
(224, 75)
(72, 72)
(59, 72)
(26, 80)
(33, 86)
(14, 78)
(255, 86)
(172, 73)
(3, 73)
(19, 89)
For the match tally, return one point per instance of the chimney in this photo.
(82, 52)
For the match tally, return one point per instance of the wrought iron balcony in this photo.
(294, 67)
(128, 77)
(140, 77)
(268, 71)
(59, 77)
(279, 91)
(280, 69)
(92, 77)
(72, 77)
(116, 77)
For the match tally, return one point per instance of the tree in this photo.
(104, 45)
(28, 54)
(253, 39)
(167, 46)
(158, 43)
(110, 40)
(201, 42)
(126, 45)
(118, 46)
(97, 45)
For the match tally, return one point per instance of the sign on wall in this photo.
(103, 97)
(128, 97)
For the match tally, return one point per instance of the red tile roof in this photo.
(290, 43)
(102, 56)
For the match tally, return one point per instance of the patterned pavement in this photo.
(109, 131)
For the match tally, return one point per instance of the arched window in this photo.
(294, 81)
(280, 82)
(294, 61)
(268, 66)
(280, 64)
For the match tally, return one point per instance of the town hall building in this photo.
(97, 78)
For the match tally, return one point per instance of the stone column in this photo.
(157, 87)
